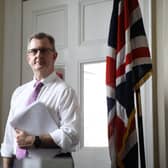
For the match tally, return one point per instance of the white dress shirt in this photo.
(61, 102)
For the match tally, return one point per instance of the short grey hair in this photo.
(43, 35)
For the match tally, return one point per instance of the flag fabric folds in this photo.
(128, 65)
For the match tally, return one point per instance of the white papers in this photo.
(34, 119)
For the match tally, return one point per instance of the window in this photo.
(94, 104)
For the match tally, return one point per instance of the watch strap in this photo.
(37, 142)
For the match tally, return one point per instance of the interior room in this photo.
(81, 30)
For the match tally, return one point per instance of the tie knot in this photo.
(38, 84)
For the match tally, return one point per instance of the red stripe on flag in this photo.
(120, 33)
(122, 132)
(124, 22)
(135, 54)
(110, 71)
(111, 128)
(128, 9)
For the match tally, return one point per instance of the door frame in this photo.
(12, 53)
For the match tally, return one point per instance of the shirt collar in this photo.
(48, 79)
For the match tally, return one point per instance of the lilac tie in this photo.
(37, 87)
(21, 153)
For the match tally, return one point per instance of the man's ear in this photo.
(55, 55)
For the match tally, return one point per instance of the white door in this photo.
(80, 28)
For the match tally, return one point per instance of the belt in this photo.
(63, 155)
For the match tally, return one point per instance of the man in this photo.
(60, 100)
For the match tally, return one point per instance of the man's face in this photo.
(40, 55)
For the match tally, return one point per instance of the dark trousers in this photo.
(59, 161)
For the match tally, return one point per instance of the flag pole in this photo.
(140, 129)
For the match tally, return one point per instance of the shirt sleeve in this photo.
(68, 134)
(7, 147)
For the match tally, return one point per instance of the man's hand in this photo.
(23, 139)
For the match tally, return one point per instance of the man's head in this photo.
(41, 54)
(42, 35)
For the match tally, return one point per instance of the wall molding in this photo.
(59, 9)
(83, 6)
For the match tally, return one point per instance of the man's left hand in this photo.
(23, 139)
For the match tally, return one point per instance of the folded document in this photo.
(34, 119)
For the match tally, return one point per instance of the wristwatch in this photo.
(37, 142)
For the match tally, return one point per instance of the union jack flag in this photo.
(128, 65)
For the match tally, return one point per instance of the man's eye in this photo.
(34, 51)
(43, 50)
